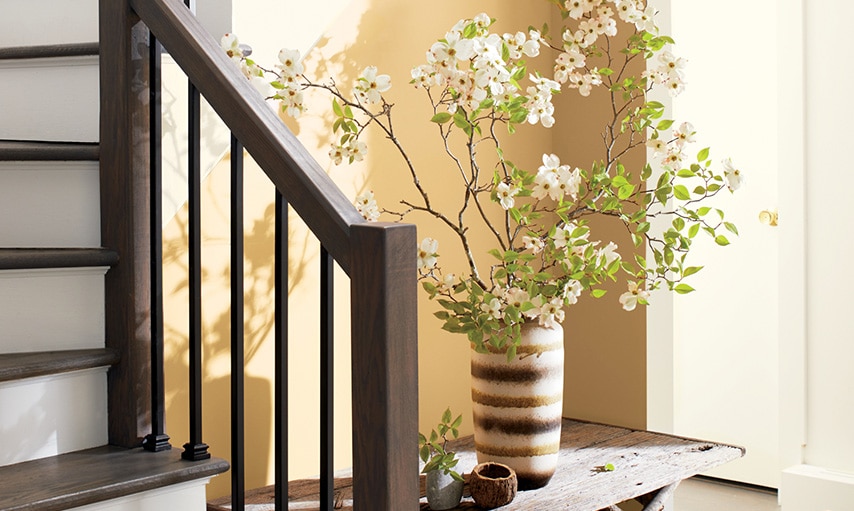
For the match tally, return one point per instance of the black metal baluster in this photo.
(237, 405)
(157, 440)
(326, 381)
(281, 333)
(195, 449)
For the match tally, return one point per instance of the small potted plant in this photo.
(444, 484)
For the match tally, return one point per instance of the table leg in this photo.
(655, 501)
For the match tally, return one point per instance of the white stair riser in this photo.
(50, 99)
(56, 309)
(48, 22)
(49, 204)
(189, 496)
(51, 415)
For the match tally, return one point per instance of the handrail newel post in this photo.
(124, 192)
(385, 366)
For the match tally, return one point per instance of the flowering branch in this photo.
(476, 80)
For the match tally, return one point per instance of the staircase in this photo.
(81, 372)
(55, 358)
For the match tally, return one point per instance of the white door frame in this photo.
(792, 258)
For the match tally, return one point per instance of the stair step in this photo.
(55, 99)
(11, 150)
(37, 258)
(49, 204)
(96, 475)
(49, 51)
(51, 309)
(17, 366)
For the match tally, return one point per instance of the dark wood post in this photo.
(385, 367)
(124, 170)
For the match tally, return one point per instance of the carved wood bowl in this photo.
(493, 485)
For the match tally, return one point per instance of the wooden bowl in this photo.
(493, 485)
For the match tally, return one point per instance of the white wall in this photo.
(830, 276)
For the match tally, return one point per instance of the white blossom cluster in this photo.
(366, 205)
(597, 18)
(472, 64)
(351, 150)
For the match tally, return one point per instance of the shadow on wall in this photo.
(216, 323)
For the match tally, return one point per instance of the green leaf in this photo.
(519, 116)
(625, 192)
(683, 289)
(496, 254)
(336, 107)
(664, 124)
(686, 173)
(693, 230)
(598, 293)
(721, 240)
(731, 228)
(619, 181)
(609, 467)
(681, 192)
(511, 353)
(703, 155)
(441, 118)
(691, 270)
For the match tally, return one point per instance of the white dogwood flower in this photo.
(370, 86)
(506, 195)
(734, 177)
(367, 206)
(630, 299)
(427, 254)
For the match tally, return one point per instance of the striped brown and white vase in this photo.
(517, 405)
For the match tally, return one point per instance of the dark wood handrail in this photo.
(379, 258)
(318, 201)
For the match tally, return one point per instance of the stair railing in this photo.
(377, 257)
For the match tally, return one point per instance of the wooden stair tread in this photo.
(13, 150)
(95, 475)
(17, 366)
(49, 51)
(33, 258)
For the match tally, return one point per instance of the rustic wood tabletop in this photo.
(643, 464)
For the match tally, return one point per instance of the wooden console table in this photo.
(647, 467)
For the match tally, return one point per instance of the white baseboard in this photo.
(811, 488)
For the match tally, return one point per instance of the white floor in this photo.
(704, 495)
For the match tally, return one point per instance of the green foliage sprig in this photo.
(434, 452)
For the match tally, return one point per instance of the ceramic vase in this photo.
(517, 405)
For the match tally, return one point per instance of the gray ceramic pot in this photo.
(443, 491)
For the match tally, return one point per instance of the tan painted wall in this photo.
(605, 372)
